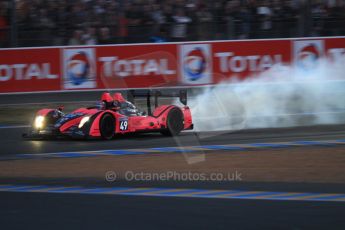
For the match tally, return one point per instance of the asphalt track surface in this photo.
(11, 141)
(82, 211)
(69, 211)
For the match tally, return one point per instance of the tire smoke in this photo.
(283, 96)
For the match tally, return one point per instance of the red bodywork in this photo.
(156, 122)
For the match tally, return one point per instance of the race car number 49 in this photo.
(123, 125)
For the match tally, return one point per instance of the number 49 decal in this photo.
(123, 125)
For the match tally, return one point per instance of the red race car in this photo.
(115, 115)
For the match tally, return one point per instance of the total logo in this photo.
(195, 64)
(307, 52)
(79, 68)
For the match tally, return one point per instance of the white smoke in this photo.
(282, 96)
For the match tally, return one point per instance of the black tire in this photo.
(107, 126)
(174, 122)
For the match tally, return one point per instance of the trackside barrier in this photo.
(135, 66)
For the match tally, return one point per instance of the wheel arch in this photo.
(174, 121)
(94, 130)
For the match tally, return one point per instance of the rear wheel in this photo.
(107, 126)
(174, 122)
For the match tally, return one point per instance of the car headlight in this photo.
(39, 122)
(83, 121)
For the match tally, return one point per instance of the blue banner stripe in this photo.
(173, 149)
(221, 147)
(166, 192)
(116, 152)
(30, 188)
(307, 143)
(96, 190)
(341, 140)
(217, 194)
(270, 145)
(11, 187)
(184, 191)
(292, 195)
(328, 197)
(21, 156)
(256, 195)
(72, 155)
(122, 152)
(141, 191)
(103, 190)
(66, 189)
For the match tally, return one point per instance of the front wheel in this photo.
(107, 126)
(174, 122)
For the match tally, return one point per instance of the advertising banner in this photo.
(155, 65)
(27, 70)
(137, 66)
(308, 52)
(195, 64)
(79, 68)
(335, 47)
(241, 59)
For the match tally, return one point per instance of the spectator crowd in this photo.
(90, 22)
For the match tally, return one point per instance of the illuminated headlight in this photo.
(83, 121)
(39, 122)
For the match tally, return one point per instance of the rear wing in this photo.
(132, 94)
